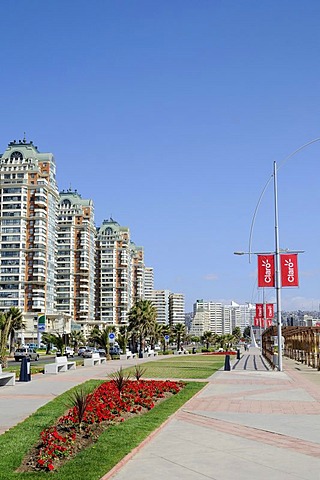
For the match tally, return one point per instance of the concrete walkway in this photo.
(247, 423)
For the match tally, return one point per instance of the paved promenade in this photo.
(247, 423)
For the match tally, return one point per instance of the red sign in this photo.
(259, 310)
(269, 322)
(289, 270)
(269, 310)
(258, 322)
(266, 271)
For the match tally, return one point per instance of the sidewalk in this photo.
(255, 424)
(247, 423)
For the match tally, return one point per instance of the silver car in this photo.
(27, 352)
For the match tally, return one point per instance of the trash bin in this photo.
(25, 370)
(227, 363)
(194, 350)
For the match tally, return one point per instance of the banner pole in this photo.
(277, 265)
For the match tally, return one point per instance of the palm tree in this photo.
(123, 337)
(156, 335)
(17, 323)
(48, 339)
(101, 337)
(5, 326)
(165, 331)
(179, 329)
(142, 322)
(236, 332)
(58, 341)
(208, 338)
(76, 339)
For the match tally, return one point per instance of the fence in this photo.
(300, 343)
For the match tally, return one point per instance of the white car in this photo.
(69, 351)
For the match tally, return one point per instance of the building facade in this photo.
(75, 285)
(28, 200)
(176, 309)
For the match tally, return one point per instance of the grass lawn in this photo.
(119, 439)
(183, 367)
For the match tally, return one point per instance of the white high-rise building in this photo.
(148, 283)
(28, 198)
(160, 300)
(119, 273)
(224, 318)
(76, 259)
(176, 309)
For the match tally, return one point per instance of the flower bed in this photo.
(93, 413)
(219, 353)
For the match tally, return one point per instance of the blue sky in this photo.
(169, 116)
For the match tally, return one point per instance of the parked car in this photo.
(81, 350)
(88, 352)
(69, 352)
(26, 352)
(102, 352)
(114, 351)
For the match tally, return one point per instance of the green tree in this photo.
(165, 330)
(5, 326)
(209, 338)
(58, 341)
(17, 323)
(236, 332)
(123, 337)
(142, 321)
(179, 330)
(247, 332)
(48, 339)
(101, 337)
(76, 339)
(156, 335)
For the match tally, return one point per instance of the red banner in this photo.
(258, 322)
(269, 310)
(269, 322)
(259, 310)
(289, 270)
(266, 271)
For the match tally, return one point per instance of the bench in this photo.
(7, 378)
(151, 353)
(180, 352)
(127, 355)
(61, 364)
(94, 360)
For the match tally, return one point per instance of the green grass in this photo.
(183, 367)
(92, 463)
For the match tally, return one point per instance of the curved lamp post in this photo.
(277, 247)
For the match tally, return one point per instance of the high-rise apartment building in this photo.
(176, 309)
(148, 283)
(28, 201)
(138, 272)
(215, 310)
(119, 273)
(160, 299)
(75, 283)
(224, 318)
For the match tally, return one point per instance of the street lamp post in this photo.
(277, 282)
(277, 266)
